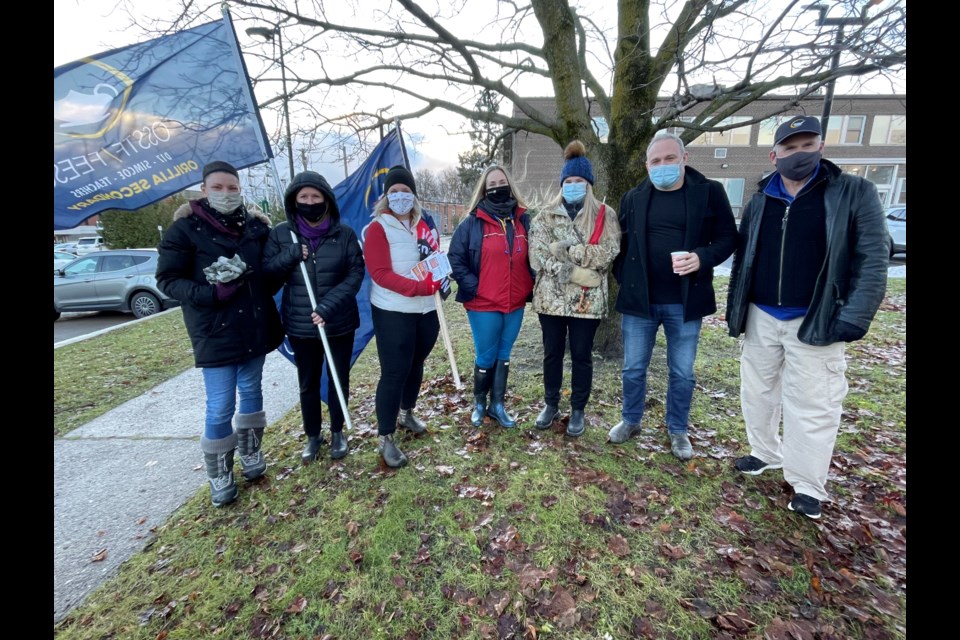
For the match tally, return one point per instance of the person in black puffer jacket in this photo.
(334, 265)
(232, 321)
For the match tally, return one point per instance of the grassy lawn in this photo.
(494, 533)
(92, 376)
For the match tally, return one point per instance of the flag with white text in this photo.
(134, 125)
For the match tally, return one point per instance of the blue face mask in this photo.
(664, 176)
(574, 192)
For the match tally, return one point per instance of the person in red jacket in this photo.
(491, 264)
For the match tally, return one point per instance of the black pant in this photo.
(404, 340)
(581, 332)
(308, 354)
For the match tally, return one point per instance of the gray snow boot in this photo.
(392, 455)
(622, 432)
(250, 428)
(406, 420)
(218, 461)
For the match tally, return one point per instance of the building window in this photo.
(884, 176)
(767, 129)
(845, 130)
(734, 189)
(901, 195)
(889, 130)
(737, 137)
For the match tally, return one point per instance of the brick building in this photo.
(867, 135)
(446, 214)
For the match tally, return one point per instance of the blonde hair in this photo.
(587, 216)
(480, 190)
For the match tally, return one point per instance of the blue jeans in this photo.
(223, 384)
(494, 334)
(639, 337)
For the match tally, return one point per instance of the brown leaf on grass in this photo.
(563, 608)
(672, 552)
(230, 612)
(494, 604)
(487, 631)
(779, 629)
(398, 582)
(731, 519)
(298, 605)
(701, 606)
(483, 520)
(815, 584)
(643, 628)
(161, 636)
(356, 557)
(530, 633)
(734, 621)
(531, 576)
(444, 470)
(618, 546)
(260, 592)
(99, 556)
(353, 528)
(423, 555)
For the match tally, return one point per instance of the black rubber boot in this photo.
(576, 425)
(482, 379)
(392, 455)
(218, 462)
(338, 445)
(497, 393)
(250, 428)
(546, 417)
(312, 451)
(406, 420)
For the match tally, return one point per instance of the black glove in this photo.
(226, 290)
(847, 332)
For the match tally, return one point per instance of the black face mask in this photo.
(499, 195)
(799, 165)
(312, 212)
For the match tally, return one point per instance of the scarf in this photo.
(232, 224)
(573, 208)
(314, 234)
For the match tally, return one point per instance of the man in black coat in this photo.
(676, 227)
(809, 273)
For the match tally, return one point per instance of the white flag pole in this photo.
(331, 368)
(446, 339)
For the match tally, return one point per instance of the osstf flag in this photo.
(135, 125)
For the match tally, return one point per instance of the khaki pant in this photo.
(807, 384)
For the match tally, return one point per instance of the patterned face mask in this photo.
(224, 202)
(401, 202)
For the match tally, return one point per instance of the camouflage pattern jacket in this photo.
(553, 293)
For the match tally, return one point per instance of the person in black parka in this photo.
(232, 320)
(334, 265)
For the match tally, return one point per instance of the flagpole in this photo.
(446, 339)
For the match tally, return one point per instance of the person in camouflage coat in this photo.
(573, 242)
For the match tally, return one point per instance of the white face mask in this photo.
(224, 202)
(401, 202)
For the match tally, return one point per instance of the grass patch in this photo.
(92, 376)
(494, 533)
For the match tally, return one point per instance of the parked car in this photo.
(66, 247)
(90, 243)
(62, 259)
(120, 280)
(897, 228)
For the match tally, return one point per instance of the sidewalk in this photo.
(127, 471)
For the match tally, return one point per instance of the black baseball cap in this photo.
(795, 125)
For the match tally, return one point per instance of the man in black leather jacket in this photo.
(808, 275)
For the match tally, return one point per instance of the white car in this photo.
(90, 243)
(897, 228)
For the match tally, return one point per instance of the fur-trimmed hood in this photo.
(185, 210)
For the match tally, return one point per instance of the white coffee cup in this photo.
(674, 255)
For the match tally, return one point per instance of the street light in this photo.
(267, 33)
(840, 23)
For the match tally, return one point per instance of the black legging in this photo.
(581, 332)
(404, 340)
(308, 354)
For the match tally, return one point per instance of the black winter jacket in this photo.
(336, 268)
(852, 279)
(710, 229)
(230, 332)
(464, 255)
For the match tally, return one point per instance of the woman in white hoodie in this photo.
(403, 309)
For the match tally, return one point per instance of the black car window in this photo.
(115, 263)
(140, 259)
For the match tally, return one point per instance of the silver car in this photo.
(120, 280)
(897, 228)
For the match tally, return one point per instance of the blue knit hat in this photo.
(576, 163)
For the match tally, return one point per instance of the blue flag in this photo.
(135, 125)
(356, 196)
